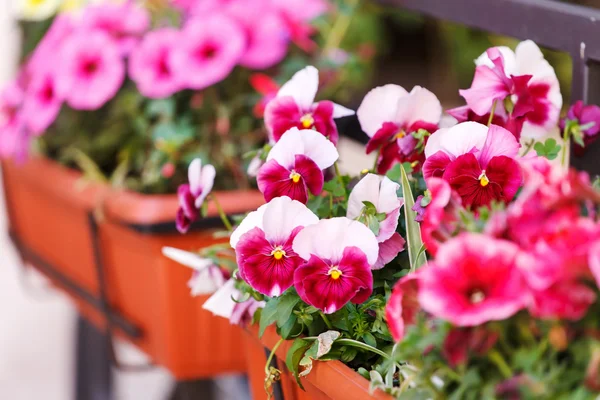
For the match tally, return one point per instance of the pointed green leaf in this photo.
(414, 241)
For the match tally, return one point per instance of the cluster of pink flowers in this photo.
(83, 60)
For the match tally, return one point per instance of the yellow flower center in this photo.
(307, 121)
(295, 177)
(483, 179)
(399, 135)
(364, 171)
(335, 273)
(278, 253)
(35, 3)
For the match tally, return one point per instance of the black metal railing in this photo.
(559, 26)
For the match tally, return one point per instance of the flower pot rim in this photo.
(120, 205)
(327, 376)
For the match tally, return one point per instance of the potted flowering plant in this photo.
(484, 286)
(126, 97)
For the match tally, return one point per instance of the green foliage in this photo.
(549, 149)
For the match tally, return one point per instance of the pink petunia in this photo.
(338, 255)
(151, 66)
(14, 136)
(403, 306)
(192, 194)
(294, 107)
(125, 22)
(91, 72)
(461, 342)
(208, 50)
(381, 193)
(295, 165)
(263, 244)
(44, 57)
(477, 161)
(563, 300)
(473, 279)
(42, 102)
(526, 80)
(390, 116)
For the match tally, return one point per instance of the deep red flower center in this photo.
(89, 67)
(207, 51)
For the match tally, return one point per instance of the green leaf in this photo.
(394, 174)
(373, 224)
(287, 330)
(269, 315)
(369, 339)
(161, 108)
(413, 229)
(295, 355)
(549, 149)
(286, 305)
(91, 171)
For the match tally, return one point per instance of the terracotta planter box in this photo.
(98, 244)
(328, 380)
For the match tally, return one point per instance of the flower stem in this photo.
(267, 365)
(326, 320)
(529, 147)
(340, 27)
(222, 214)
(566, 146)
(376, 161)
(364, 346)
(492, 113)
(497, 359)
(338, 173)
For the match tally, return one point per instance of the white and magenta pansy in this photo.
(339, 254)
(295, 165)
(206, 278)
(191, 195)
(374, 202)
(295, 106)
(391, 116)
(477, 161)
(263, 244)
(524, 87)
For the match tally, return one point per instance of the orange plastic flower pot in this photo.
(66, 229)
(328, 380)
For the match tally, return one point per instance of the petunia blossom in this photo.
(403, 306)
(207, 51)
(125, 22)
(42, 102)
(263, 244)
(151, 66)
(91, 71)
(14, 135)
(380, 192)
(477, 161)
(338, 255)
(391, 117)
(295, 165)
(524, 80)
(294, 106)
(191, 195)
(473, 279)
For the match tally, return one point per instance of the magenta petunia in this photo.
(192, 195)
(14, 135)
(403, 306)
(295, 165)
(338, 254)
(45, 55)
(263, 244)
(390, 115)
(294, 107)
(473, 279)
(91, 71)
(125, 22)
(381, 192)
(42, 102)
(477, 161)
(208, 50)
(563, 300)
(151, 67)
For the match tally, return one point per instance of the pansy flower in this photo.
(263, 244)
(294, 106)
(338, 254)
(586, 119)
(295, 165)
(225, 303)
(391, 117)
(473, 279)
(206, 276)
(151, 65)
(522, 84)
(374, 201)
(477, 161)
(192, 195)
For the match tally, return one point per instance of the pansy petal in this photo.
(499, 142)
(435, 165)
(252, 220)
(419, 105)
(207, 181)
(379, 105)
(389, 249)
(311, 174)
(457, 140)
(340, 111)
(221, 303)
(283, 215)
(195, 175)
(306, 142)
(281, 114)
(302, 87)
(187, 258)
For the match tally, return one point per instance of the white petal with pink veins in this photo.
(419, 105)
(207, 180)
(329, 237)
(379, 105)
(499, 142)
(302, 87)
(380, 191)
(307, 142)
(458, 140)
(252, 220)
